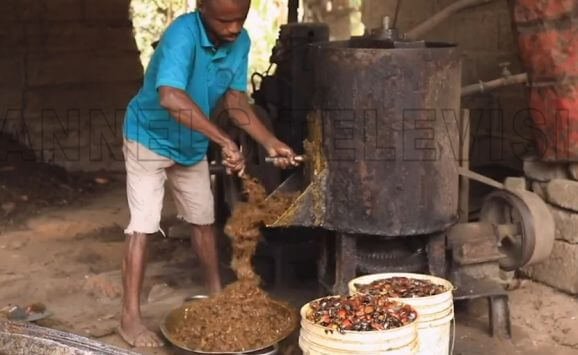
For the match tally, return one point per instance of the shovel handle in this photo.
(298, 158)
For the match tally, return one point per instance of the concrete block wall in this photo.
(67, 71)
(557, 184)
(485, 38)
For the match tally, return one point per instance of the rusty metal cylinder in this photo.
(389, 121)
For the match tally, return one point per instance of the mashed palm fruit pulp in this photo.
(402, 287)
(242, 317)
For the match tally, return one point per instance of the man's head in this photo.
(224, 19)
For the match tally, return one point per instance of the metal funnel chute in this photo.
(308, 209)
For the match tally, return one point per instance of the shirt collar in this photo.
(206, 42)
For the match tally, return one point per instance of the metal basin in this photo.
(172, 318)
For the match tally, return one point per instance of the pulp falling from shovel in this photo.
(242, 316)
(243, 227)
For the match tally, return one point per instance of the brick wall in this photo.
(484, 35)
(67, 70)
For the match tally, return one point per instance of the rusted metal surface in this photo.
(337, 263)
(436, 255)
(378, 255)
(308, 209)
(389, 121)
(25, 338)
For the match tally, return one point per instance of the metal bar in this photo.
(494, 84)
(441, 16)
(293, 11)
(345, 262)
(480, 178)
(396, 15)
(215, 169)
(464, 199)
(323, 267)
(500, 323)
(298, 158)
(436, 255)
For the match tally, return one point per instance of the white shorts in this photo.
(146, 173)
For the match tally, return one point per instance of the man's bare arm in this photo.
(186, 112)
(239, 109)
(242, 114)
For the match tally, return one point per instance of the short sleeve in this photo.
(175, 55)
(239, 82)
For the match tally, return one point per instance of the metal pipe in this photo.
(298, 158)
(441, 16)
(396, 15)
(480, 178)
(494, 84)
(464, 197)
(216, 169)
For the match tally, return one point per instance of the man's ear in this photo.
(200, 4)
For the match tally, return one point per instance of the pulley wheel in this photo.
(533, 238)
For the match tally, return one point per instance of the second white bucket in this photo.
(316, 340)
(435, 313)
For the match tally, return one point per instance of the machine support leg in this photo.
(323, 267)
(464, 196)
(345, 262)
(500, 324)
(436, 255)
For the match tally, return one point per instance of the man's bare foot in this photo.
(136, 334)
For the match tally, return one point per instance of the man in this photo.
(200, 60)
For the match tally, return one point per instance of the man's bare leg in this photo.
(132, 328)
(204, 244)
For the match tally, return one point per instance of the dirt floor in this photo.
(67, 256)
(28, 186)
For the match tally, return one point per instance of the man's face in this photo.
(224, 19)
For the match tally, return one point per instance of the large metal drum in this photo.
(388, 123)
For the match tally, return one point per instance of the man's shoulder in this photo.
(187, 18)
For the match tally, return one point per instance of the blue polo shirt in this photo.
(186, 59)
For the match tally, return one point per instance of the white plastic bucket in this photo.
(435, 313)
(316, 340)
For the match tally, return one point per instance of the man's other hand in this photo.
(233, 158)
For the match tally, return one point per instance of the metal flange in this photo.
(524, 225)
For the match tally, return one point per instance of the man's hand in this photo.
(279, 149)
(233, 158)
